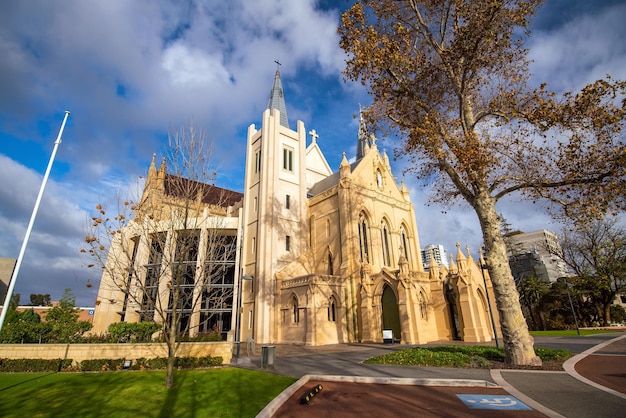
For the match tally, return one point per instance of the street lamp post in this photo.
(571, 305)
(493, 323)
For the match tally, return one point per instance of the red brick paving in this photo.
(363, 400)
(605, 369)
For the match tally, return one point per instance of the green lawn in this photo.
(572, 332)
(220, 392)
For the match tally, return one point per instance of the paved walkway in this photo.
(593, 383)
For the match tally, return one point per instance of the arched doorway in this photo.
(391, 314)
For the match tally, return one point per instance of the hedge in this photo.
(34, 365)
(158, 363)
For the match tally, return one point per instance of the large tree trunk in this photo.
(607, 314)
(171, 342)
(171, 358)
(518, 344)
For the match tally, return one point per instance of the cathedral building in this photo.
(333, 257)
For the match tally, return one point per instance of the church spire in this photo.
(277, 98)
(364, 141)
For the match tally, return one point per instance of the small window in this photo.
(287, 159)
(252, 249)
(287, 202)
(257, 162)
(256, 204)
(287, 243)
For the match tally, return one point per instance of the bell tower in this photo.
(274, 211)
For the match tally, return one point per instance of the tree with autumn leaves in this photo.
(450, 79)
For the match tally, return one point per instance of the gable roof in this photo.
(183, 188)
(329, 181)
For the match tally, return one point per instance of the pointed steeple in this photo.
(453, 267)
(152, 173)
(364, 142)
(277, 98)
(460, 258)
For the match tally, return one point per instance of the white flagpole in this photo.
(7, 299)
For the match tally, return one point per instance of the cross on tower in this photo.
(278, 64)
(314, 135)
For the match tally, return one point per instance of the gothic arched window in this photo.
(385, 237)
(379, 179)
(332, 309)
(405, 242)
(363, 238)
(423, 306)
(295, 310)
(330, 263)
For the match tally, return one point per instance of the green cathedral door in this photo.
(391, 314)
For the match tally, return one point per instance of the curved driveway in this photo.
(593, 384)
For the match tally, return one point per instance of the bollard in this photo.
(268, 353)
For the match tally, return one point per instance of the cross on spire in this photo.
(278, 64)
(314, 135)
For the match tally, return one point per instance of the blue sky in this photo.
(128, 71)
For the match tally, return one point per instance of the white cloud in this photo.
(192, 67)
(129, 69)
(52, 255)
(582, 50)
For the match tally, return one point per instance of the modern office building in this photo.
(6, 271)
(438, 254)
(536, 253)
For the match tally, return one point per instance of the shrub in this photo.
(179, 363)
(34, 365)
(101, 365)
(133, 331)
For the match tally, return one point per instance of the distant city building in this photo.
(536, 253)
(85, 313)
(6, 271)
(620, 300)
(439, 254)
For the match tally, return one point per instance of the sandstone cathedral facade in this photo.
(322, 257)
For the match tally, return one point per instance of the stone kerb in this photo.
(80, 352)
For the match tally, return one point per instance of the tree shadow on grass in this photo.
(169, 403)
(40, 377)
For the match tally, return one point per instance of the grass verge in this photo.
(222, 392)
(572, 332)
(464, 356)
